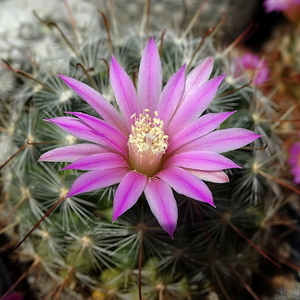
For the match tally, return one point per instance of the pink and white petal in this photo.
(200, 127)
(72, 152)
(103, 107)
(201, 160)
(128, 192)
(124, 91)
(171, 96)
(197, 77)
(194, 105)
(162, 204)
(97, 179)
(186, 184)
(111, 143)
(98, 161)
(222, 140)
(150, 77)
(102, 127)
(210, 176)
(75, 127)
(80, 130)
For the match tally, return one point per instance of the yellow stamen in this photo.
(147, 144)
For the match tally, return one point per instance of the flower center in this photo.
(147, 144)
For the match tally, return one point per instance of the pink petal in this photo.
(211, 176)
(186, 184)
(222, 140)
(98, 161)
(194, 105)
(197, 77)
(75, 127)
(294, 154)
(72, 153)
(162, 204)
(296, 172)
(128, 192)
(171, 95)
(80, 130)
(201, 160)
(150, 77)
(112, 143)
(276, 5)
(124, 92)
(97, 179)
(200, 127)
(104, 108)
(293, 160)
(101, 126)
(14, 296)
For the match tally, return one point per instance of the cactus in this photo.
(232, 251)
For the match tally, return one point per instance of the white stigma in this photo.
(147, 143)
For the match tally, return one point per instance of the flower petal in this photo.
(14, 296)
(171, 95)
(201, 160)
(97, 179)
(82, 131)
(194, 105)
(197, 77)
(211, 176)
(162, 204)
(75, 127)
(72, 152)
(98, 161)
(200, 127)
(103, 107)
(111, 143)
(296, 172)
(187, 184)
(222, 140)
(128, 192)
(124, 92)
(150, 77)
(101, 126)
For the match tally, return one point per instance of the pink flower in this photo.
(156, 142)
(279, 5)
(253, 66)
(294, 161)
